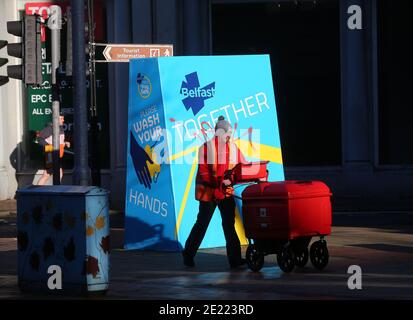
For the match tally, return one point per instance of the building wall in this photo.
(11, 120)
(358, 182)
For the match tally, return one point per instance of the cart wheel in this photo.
(255, 258)
(319, 254)
(301, 257)
(285, 259)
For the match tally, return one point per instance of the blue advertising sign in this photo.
(174, 104)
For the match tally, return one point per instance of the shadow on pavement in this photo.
(385, 247)
(139, 234)
(401, 222)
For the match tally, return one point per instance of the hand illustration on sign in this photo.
(154, 168)
(140, 161)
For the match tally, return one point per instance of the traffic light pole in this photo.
(81, 172)
(55, 25)
(94, 132)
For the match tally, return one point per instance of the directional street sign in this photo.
(125, 52)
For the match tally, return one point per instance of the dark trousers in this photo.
(206, 210)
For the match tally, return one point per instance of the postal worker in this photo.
(212, 190)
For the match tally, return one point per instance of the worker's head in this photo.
(223, 129)
(61, 119)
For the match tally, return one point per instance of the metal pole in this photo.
(92, 65)
(69, 53)
(81, 172)
(55, 25)
(94, 132)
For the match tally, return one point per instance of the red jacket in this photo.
(214, 159)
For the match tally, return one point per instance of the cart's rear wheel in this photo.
(319, 254)
(301, 257)
(255, 258)
(285, 259)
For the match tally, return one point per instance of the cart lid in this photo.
(286, 190)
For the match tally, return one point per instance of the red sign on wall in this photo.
(43, 9)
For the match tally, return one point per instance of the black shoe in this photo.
(240, 263)
(188, 261)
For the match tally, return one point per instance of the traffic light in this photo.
(3, 61)
(29, 50)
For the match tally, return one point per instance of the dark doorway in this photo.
(395, 84)
(303, 40)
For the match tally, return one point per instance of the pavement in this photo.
(381, 243)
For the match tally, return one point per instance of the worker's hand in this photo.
(227, 182)
(67, 144)
(48, 148)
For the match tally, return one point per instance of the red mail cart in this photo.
(282, 217)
